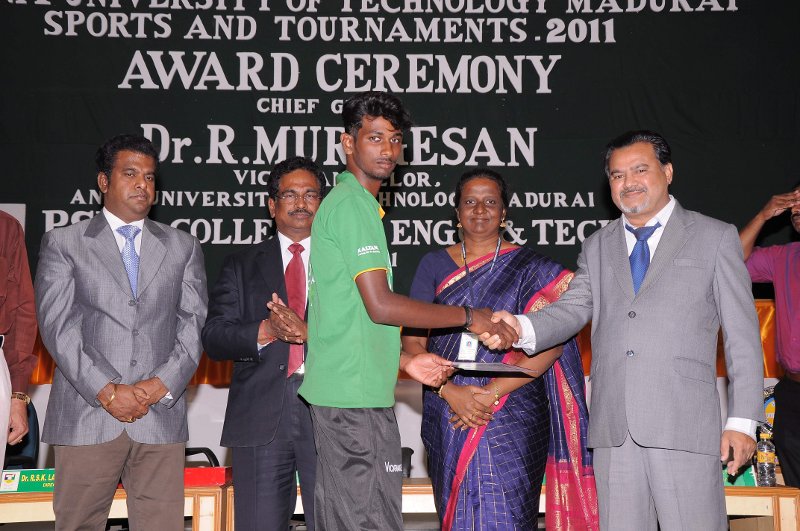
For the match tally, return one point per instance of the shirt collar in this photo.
(115, 222)
(285, 242)
(347, 178)
(662, 216)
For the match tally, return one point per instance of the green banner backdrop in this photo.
(532, 88)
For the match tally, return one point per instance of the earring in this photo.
(503, 223)
(458, 225)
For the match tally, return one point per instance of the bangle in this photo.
(439, 391)
(496, 396)
(21, 396)
(113, 396)
(468, 317)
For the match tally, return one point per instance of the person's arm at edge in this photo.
(18, 347)
(774, 207)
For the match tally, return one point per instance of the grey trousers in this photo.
(641, 488)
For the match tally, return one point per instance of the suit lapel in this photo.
(270, 264)
(152, 253)
(675, 235)
(619, 259)
(101, 241)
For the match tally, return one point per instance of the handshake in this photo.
(496, 330)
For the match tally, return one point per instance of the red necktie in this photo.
(296, 293)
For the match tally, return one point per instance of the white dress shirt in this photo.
(527, 340)
(116, 223)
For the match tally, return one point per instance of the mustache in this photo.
(795, 215)
(386, 159)
(631, 189)
(301, 211)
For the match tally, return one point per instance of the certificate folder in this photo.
(475, 366)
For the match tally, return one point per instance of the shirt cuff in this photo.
(166, 399)
(527, 339)
(746, 426)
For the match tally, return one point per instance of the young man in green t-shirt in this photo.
(353, 330)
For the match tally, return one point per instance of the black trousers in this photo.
(786, 430)
(265, 490)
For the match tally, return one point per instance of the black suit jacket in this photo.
(238, 303)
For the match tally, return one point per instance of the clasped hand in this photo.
(131, 402)
(471, 405)
(124, 402)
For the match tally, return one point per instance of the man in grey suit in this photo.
(655, 416)
(121, 300)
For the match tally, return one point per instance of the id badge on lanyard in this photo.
(468, 350)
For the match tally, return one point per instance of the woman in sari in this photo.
(490, 437)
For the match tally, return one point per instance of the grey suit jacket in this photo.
(653, 368)
(97, 332)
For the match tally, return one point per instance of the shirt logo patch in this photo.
(368, 249)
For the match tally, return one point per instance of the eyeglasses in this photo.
(292, 197)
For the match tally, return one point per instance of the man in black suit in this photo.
(267, 425)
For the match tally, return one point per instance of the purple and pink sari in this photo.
(491, 478)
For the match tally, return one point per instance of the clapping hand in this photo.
(286, 324)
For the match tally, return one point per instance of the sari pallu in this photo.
(490, 478)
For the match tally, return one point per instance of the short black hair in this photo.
(378, 105)
(485, 173)
(107, 153)
(288, 166)
(660, 145)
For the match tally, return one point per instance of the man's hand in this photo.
(495, 334)
(778, 204)
(743, 447)
(17, 421)
(286, 324)
(128, 403)
(151, 390)
(266, 333)
(508, 318)
(426, 368)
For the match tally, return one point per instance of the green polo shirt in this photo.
(352, 362)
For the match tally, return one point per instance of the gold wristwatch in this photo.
(21, 396)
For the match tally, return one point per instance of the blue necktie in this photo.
(129, 256)
(640, 257)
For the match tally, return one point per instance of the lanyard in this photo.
(466, 267)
